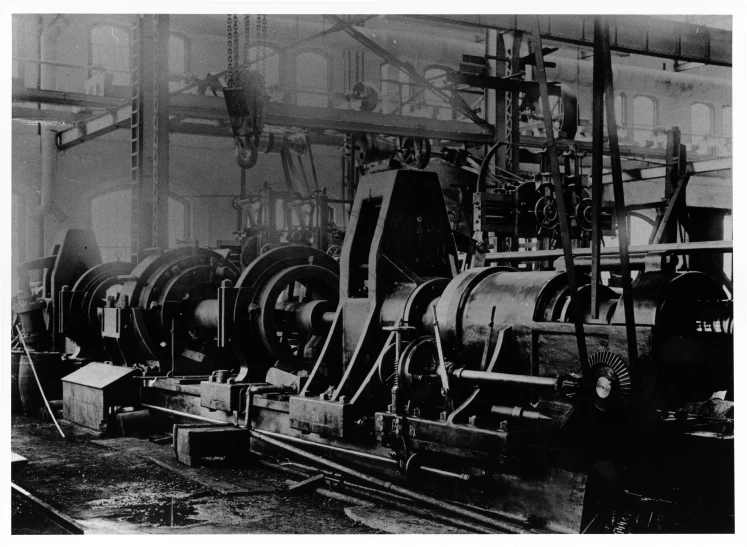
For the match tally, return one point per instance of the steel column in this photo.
(149, 125)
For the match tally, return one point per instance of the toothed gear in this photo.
(611, 380)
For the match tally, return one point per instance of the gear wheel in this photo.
(611, 381)
(546, 212)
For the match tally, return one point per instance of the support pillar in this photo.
(149, 133)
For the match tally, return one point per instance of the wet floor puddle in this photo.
(170, 513)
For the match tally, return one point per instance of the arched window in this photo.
(621, 109)
(16, 51)
(441, 109)
(178, 55)
(726, 121)
(645, 118)
(111, 220)
(701, 121)
(110, 48)
(312, 79)
(396, 90)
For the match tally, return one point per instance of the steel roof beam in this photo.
(315, 118)
(641, 35)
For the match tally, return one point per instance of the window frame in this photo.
(119, 26)
(119, 187)
(711, 119)
(187, 52)
(448, 87)
(329, 62)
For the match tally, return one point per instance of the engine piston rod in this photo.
(481, 377)
(517, 412)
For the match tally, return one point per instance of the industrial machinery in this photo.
(465, 386)
(275, 218)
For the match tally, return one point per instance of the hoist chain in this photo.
(237, 75)
(247, 40)
(263, 44)
(229, 72)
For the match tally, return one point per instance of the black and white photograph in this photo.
(417, 273)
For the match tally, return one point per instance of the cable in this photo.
(38, 383)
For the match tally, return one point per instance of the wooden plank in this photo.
(307, 485)
(47, 510)
(17, 464)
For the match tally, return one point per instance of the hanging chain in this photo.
(247, 40)
(229, 72)
(260, 50)
(263, 43)
(237, 75)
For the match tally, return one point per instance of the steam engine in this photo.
(467, 385)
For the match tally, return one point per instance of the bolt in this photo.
(503, 426)
(322, 396)
(416, 412)
(343, 399)
(443, 416)
(474, 421)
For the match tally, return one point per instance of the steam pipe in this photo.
(47, 47)
(388, 486)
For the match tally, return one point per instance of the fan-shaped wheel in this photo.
(611, 380)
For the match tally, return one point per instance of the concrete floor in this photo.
(115, 487)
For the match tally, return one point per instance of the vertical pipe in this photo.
(552, 155)
(47, 44)
(617, 185)
(597, 151)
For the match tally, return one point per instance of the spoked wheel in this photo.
(414, 153)
(292, 306)
(283, 298)
(546, 212)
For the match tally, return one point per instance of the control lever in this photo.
(441, 371)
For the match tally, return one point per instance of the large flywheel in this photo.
(285, 302)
